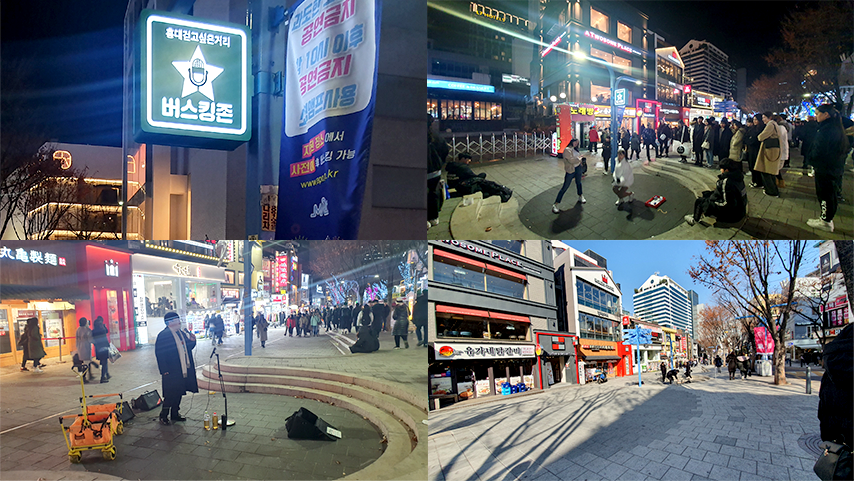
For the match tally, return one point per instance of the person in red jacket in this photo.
(594, 139)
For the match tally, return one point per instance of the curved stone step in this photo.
(396, 413)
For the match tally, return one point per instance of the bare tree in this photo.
(716, 328)
(817, 58)
(742, 272)
(46, 206)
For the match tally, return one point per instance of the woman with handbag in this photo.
(102, 347)
(768, 159)
(736, 145)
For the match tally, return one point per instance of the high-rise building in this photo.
(709, 66)
(660, 299)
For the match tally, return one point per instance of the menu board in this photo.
(482, 387)
(440, 386)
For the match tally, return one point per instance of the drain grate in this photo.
(811, 443)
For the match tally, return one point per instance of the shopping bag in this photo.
(114, 353)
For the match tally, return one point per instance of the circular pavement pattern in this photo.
(599, 218)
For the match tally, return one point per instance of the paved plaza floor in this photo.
(536, 180)
(710, 429)
(256, 447)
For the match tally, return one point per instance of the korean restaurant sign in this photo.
(448, 350)
(330, 91)
(194, 86)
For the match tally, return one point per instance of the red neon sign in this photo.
(552, 45)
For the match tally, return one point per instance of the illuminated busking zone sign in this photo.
(193, 82)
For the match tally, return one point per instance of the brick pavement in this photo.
(536, 180)
(257, 447)
(715, 429)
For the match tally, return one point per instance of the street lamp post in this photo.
(614, 84)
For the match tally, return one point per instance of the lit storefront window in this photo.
(600, 94)
(599, 20)
(465, 110)
(611, 58)
(472, 327)
(433, 108)
(624, 32)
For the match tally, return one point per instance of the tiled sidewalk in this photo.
(714, 429)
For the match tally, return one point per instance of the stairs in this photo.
(397, 413)
(479, 218)
(696, 179)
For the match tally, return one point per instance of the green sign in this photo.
(193, 84)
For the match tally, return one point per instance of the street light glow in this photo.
(553, 98)
(563, 95)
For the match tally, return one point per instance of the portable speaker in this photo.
(304, 424)
(127, 412)
(147, 401)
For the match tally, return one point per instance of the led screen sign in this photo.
(193, 83)
(445, 84)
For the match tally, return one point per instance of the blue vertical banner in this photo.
(330, 90)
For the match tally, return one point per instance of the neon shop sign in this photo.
(496, 14)
(31, 256)
(612, 43)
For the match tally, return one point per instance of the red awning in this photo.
(462, 311)
(457, 258)
(506, 272)
(509, 317)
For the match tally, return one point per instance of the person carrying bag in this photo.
(834, 408)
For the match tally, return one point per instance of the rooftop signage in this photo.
(495, 14)
(193, 85)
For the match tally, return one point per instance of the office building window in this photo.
(624, 32)
(596, 298)
(593, 327)
(511, 245)
(599, 20)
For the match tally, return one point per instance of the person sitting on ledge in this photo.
(728, 202)
(465, 181)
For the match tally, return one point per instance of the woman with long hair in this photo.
(572, 170)
(102, 347)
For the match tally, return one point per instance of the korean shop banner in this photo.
(333, 50)
(764, 341)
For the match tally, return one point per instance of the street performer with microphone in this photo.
(173, 350)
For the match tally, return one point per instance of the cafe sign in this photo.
(193, 86)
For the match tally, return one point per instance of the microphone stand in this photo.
(222, 388)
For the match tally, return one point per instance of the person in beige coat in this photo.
(736, 145)
(768, 161)
(572, 166)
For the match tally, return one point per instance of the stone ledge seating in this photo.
(397, 413)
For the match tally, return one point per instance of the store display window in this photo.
(160, 295)
(465, 272)
(599, 20)
(473, 327)
(624, 32)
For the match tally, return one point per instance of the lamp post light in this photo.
(614, 84)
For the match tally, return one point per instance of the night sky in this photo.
(72, 53)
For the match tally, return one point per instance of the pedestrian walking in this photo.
(683, 135)
(768, 160)
(664, 134)
(743, 366)
(572, 170)
(401, 325)
(827, 158)
(34, 348)
(724, 140)
(315, 322)
(606, 152)
(84, 346)
(437, 151)
(419, 318)
(304, 324)
(623, 180)
(731, 364)
(218, 328)
(593, 136)
(636, 146)
(718, 363)
(709, 142)
(173, 350)
(663, 367)
(102, 347)
(648, 137)
(261, 326)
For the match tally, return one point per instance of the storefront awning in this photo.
(466, 260)
(506, 272)
(601, 358)
(34, 293)
(462, 311)
(508, 317)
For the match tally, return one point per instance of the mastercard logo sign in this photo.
(446, 351)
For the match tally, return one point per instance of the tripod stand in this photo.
(225, 421)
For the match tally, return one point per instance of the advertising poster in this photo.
(52, 328)
(498, 382)
(330, 90)
(529, 381)
(550, 375)
(764, 341)
(440, 386)
(482, 387)
(465, 389)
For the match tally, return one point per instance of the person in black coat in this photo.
(366, 341)
(827, 157)
(837, 390)
(102, 347)
(806, 133)
(697, 140)
(728, 202)
(419, 318)
(683, 135)
(724, 139)
(752, 142)
(174, 352)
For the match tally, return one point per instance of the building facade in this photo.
(612, 32)
(708, 66)
(660, 299)
(670, 84)
(487, 302)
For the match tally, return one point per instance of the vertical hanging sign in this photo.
(333, 49)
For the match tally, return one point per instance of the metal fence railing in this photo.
(488, 146)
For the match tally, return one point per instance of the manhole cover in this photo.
(811, 443)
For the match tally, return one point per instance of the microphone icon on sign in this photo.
(198, 73)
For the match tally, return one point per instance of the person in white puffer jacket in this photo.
(624, 177)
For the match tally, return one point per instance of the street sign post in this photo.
(638, 336)
(620, 97)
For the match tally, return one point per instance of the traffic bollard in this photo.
(809, 386)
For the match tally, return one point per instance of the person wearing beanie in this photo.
(173, 350)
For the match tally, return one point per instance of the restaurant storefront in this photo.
(557, 361)
(107, 277)
(39, 280)
(612, 358)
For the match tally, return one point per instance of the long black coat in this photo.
(728, 202)
(699, 130)
(724, 143)
(829, 148)
(102, 344)
(168, 361)
(367, 342)
(835, 396)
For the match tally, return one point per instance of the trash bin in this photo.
(763, 368)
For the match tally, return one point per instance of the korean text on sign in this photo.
(206, 111)
(332, 99)
(200, 37)
(319, 15)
